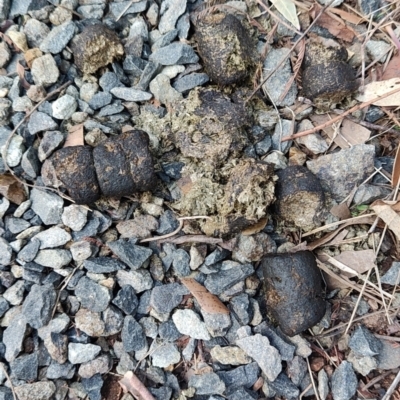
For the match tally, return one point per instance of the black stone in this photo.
(133, 336)
(168, 331)
(132, 255)
(25, 367)
(101, 265)
(126, 299)
(93, 386)
(92, 296)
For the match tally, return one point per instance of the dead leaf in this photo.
(392, 69)
(258, 227)
(208, 302)
(131, 383)
(127, 128)
(333, 25)
(388, 215)
(349, 17)
(395, 205)
(288, 9)
(75, 136)
(379, 88)
(348, 134)
(31, 55)
(339, 238)
(360, 261)
(21, 74)
(11, 189)
(396, 168)
(341, 211)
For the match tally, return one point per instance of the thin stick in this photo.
(290, 50)
(339, 117)
(312, 379)
(124, 11)
(353, 314)
(392, 387)
(9, 380)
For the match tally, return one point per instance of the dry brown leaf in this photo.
(379, 88)
(349, 134)
(208, 302)
(11, 189)
(392, 69)
(75, 136)
(360, 261)
(131, 383)
(396, 168)
(388, 215)
(341, 211)
(333, 25)
(395, 205)
(258, 227)
(349, 17)
(339, 238)
(21, 74)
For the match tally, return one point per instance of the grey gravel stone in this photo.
(280, 132)
(89, 322)
(5, 252)
(130, 94)
(113, 321)
(181, 263)
(100, 100)
(217, 324)
(92, 296)
(233, 273)
(175, 53)
(75, 217)
(275, 85)
(30, 163)
(15, 293)
(362, 365)
(13, 337)
(378, 49)
(245, 376)
(188, 82)
(230, 355)
(52, 237)
(4, 306)
(56, 325)
(39, 122)
(286, 350)
(339, 172)
(60, 371)
(25, 367)
(126, 300)
(58, 38)
(116, 9)
(15, 148)
(4, 9)
(140, 280)
(35, 31)
(43, 390)
(93, 386)
(16, 225)
(364, 343)
(53, 258)
(132, 335)
(99, 365)
(165, 354)
(162, 90)
(366, 194)
(242, 308)
(168, 332)
(101, 265)
(323, 384)
(165, 298)
(38, 305)
(170, 11)
(314, 142)
(45, 71)
(48, 206)
(283, 386)
(64, 107)
(51, 141)
(79, 353)
(132, 255)
(392, 276)
(189, 323)
(266, 356)
(344, 382)
(109, 80)
(207, 384)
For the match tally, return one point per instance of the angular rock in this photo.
(339, 172)
(190, 81)
(91, 295)
(93, 386)
(57, 346)
(52, 237)
(392, 276)
(58, 38)
(165, 355)
(132, 255)
(162, 90)
(89, 322)
(364, 343)
(140, 280)
(13, 337)
(48, 206)
(53, 258)
(241, 376)
(40, 122)
(43, 390)
(126, 300)
(102, 265)
(64, 107)
(166, 297)
(344, 382)
(131, 94)
(133, 337)
(170, 11)
(207, 384)
(283, 386)
(5, 252)
(230, 355)
(175, 53)
(51, 141)
(25, 367)
(45, 72)
(113, 321)
(188, 323)
(79, 353)
(38, 305)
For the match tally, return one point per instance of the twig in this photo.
(339, 117)
(10, 381)
(124, 10)
(177, 230)
(392, 387)
(290, 50)
(312, 379)
(131, 383)
(66, 8)
(192, 238)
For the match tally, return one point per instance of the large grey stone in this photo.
(79, 353)
(13, 337)
(175, 53)
(164, 354)
(189, 323)
(140, 280)
(43, 390)
(364, 343)
(339, 172)
(38, 305)
(5, 252)
(53, 258)
(266, 356)
(170, 12)
(101, 265)
(207, 384)
(131, 254)
(165, 298)
(48, 206)
(92, 296)
(132, 335)
(40, 122)
(45, 72)
(52, 237)
(25, 367)
(344, 382)
(392, 276)
(58, 38)
(64, 107)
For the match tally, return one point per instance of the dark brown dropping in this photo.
(124, 164)
(327, 78)
(293, 291)
(96, 47)
(300, 199)
(75, 169)
(225, 47)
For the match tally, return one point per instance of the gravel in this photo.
(189, 323)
